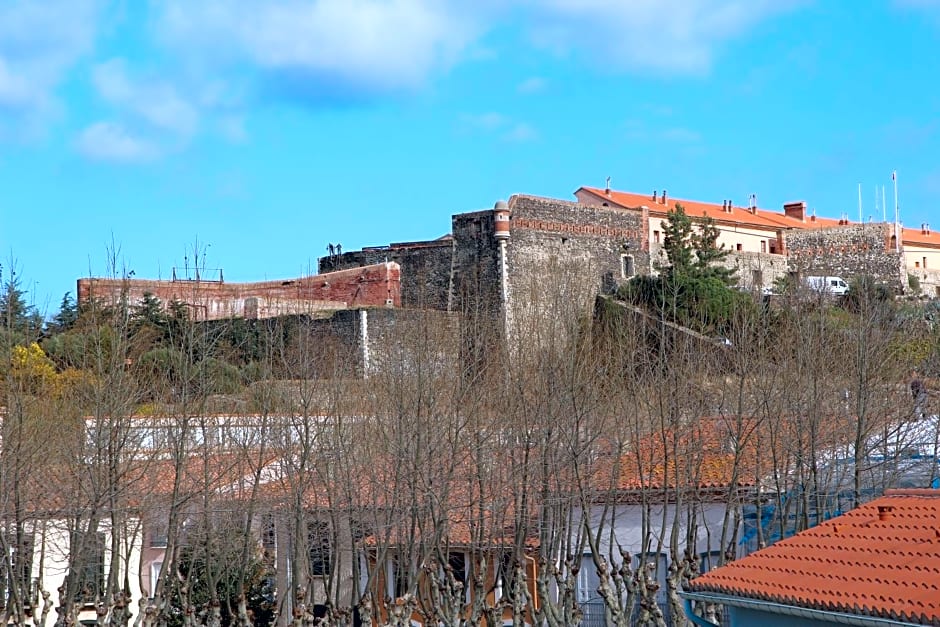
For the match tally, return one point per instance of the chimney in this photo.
(663, 201)
(654, 196)
(884, 512)
(923, 229)
(607, 189)
(795, 210)
(724, 205)
(730, 208)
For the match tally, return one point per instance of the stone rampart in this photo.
(425, 269)
(369, 286)
(848, 251)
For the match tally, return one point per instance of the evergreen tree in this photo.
(67, 316)
(694, 288)
(20, 321)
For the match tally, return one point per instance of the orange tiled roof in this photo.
(920, 237)
(698, 455)
(760, 218)
(694, 208)
(881, 559)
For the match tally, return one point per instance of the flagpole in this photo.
(897, 214)
(860, 221)
(884, 205)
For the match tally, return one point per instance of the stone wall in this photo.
(756, 271)
(848, 251)
(386, 338)
(554, 241)
(370, 286)
(425, 269)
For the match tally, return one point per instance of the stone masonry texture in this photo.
(369, 286)
(848, 251)
(425, 269)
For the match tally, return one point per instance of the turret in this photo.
(501, 215)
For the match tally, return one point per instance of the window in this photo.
(458, 567)
(21, 559)
(318, 548)
(506, 576)
(656, 236)
(763, 246)
(916, 264)
(157, 531)
(268, 533)
(626, 266)
(155, 569)
(87, 564)
(397, 578)
(588, 580)
(925, 263)
(739, 247)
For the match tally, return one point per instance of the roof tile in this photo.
(857, 563)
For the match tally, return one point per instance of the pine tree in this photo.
(67, 316)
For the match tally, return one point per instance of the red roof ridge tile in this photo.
(916, 492)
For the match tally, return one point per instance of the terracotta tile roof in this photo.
(919, 237)
(759, 218)
(694, 208)
(697, 455)
(881, 559)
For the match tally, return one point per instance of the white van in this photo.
(829, 284)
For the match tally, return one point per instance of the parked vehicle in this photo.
(829, 284)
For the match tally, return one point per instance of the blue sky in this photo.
(255, 132)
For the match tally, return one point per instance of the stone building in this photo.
(766, 244)
(518, 258)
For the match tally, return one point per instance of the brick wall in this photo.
(369, 286)
(425, 269)
(848, 251)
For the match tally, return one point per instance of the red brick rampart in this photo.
(377, 285)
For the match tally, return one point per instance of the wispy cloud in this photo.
(493, 123)
(39, 43)
(155, 102)
(110, 141)
(532, 85)
(489, 121)
(521, 132)
(325, 50)
(670, 36)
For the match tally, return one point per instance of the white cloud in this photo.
(39, 43)
(156, 102)
(232, 127)
(521, 132)
(110, 141)
(352, 46)
(496, 123)
(652, 35)
(489, 121)
(532, 85)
